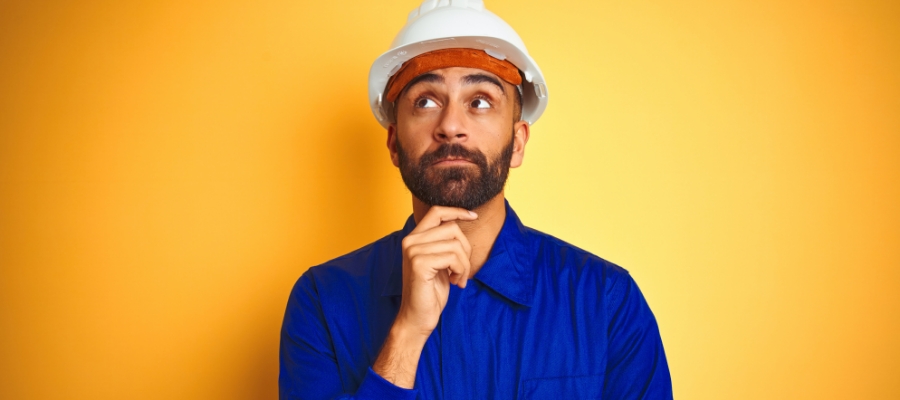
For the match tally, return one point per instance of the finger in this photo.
(428, 266)
(446, 246)
(447, 231)
(440, 246)
(438, 214)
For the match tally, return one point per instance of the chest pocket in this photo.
(571, 387)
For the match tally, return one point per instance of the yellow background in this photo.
(169, 168)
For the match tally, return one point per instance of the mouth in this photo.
(452, 161)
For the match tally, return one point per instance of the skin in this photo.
(449, 245)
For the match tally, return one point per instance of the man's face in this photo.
(455, 137)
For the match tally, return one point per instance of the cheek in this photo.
(412, 126)
(495, 133)
(412, 146)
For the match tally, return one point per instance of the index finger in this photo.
(439, 214)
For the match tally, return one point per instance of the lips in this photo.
(453, 160)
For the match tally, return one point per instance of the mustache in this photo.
(454, 150)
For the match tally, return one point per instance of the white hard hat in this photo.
(446, 24)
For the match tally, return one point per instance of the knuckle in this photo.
(415, 260)
(409, 254)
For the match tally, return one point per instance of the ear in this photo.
(521, 132)
(392, 144)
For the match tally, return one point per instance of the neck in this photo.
(481, 232)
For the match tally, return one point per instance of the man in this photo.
(465, 302)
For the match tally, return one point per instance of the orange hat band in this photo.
(446, 58)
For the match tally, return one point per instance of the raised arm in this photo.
(435, 255)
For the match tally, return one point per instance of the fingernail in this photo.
(472, 213)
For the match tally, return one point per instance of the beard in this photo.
(468, 186)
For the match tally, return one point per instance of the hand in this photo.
(435, 255)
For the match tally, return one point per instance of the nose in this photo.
(452, 126)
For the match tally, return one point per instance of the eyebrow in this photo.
(467, 80)
(482, 78)
(429, 78)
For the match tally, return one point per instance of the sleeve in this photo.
(636, 364)
(309, 369)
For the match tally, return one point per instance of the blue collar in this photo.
(509, 269)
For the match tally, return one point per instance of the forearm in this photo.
(435, 253)
(309, 369)
(399, 357)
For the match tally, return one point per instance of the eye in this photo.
(480, 103)
(424, 102)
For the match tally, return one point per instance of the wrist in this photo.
(408, 333)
